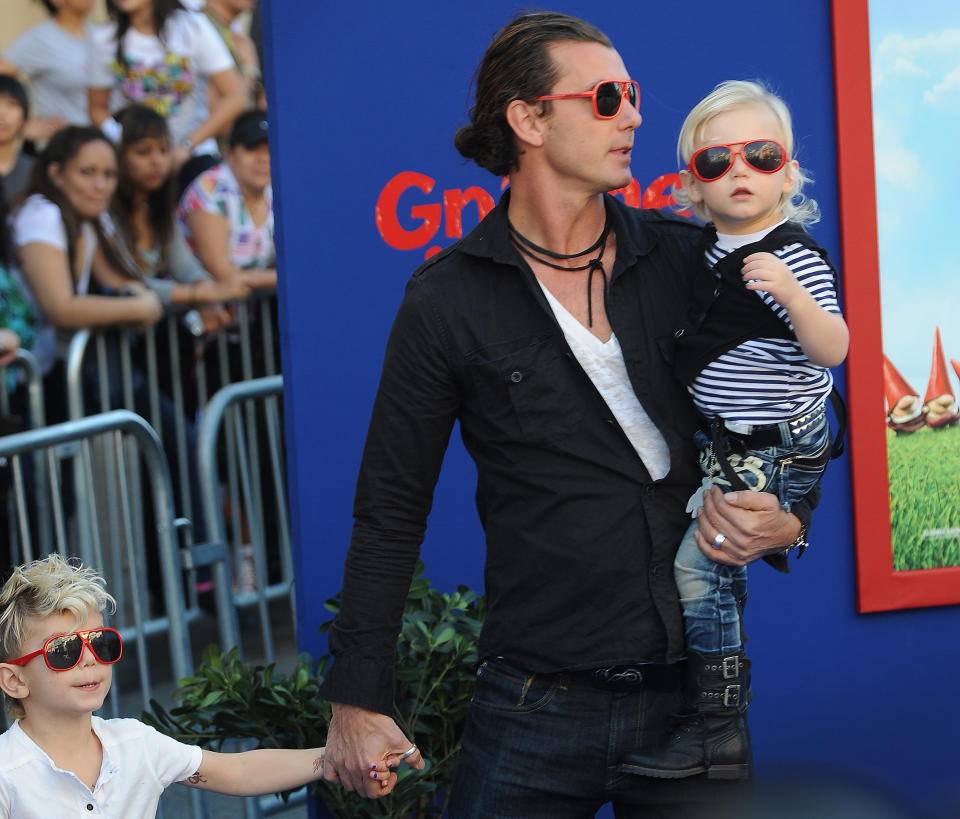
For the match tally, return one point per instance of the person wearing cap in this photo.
(227, 211)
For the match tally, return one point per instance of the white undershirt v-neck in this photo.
(603, 362)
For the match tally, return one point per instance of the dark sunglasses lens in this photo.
(712, 163)
(764, 155)
(64, 652)
(106, 645)
(608, 99)
(633, 95)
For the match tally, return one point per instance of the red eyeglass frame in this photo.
(85, 639)
(692, 167)
(592, 94)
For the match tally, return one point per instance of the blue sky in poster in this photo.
(915, 63)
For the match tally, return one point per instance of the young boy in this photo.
(15, 165)
(56, 665)
(754, 352)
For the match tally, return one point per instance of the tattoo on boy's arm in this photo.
(318, 764)
(196, 778)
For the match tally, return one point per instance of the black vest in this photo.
(723, 313)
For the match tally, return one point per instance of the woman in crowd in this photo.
(158, 53)
(52, 57)
(60, 234)
(227, 211)
(149, 238)
(67, 254)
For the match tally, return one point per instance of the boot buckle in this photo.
(731, 695)
(730, 667)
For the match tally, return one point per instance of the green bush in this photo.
(227, 700)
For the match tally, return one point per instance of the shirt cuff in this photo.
(365, 682)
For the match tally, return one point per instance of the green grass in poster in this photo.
(925, 498)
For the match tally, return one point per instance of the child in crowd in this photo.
(15, 165)
(57, 759)
(754, 353)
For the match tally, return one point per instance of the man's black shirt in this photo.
(580, 540)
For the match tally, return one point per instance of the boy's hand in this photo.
(764, 271)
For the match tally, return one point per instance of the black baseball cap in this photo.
(249, 129)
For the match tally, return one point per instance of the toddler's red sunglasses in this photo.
(712, 162)
(63, 652)
(607, 97)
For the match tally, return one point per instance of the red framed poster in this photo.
(904, 442)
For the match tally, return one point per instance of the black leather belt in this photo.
(633, 677)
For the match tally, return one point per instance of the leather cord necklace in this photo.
(542, 255)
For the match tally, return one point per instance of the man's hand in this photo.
(357, 741)
(752, 525)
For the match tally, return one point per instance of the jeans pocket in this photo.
(800, 470)
(505, 689)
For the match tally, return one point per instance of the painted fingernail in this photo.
(373, 767)
(374, 776)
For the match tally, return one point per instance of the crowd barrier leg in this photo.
(230, 417)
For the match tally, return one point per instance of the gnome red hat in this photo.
(939, 402)
(904, 410)
(956, 366)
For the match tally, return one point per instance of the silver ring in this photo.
(408, 753)
(718, 541)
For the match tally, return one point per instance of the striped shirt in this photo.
(768, 380)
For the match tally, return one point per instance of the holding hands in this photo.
(359, 744)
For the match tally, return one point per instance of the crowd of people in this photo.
(134, 164)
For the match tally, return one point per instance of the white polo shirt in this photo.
(138, 763)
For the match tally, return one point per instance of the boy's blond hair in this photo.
(51, 585)
(738, 94)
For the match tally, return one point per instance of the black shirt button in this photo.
(655, 571)
(649, 489)
(89, 806)
(516, 376)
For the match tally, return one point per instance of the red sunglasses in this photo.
(712, 162)
(63, 652)
(607, 97)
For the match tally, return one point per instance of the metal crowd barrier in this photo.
(166, 376)
(22, 378)
(118, 554)
(242, 423)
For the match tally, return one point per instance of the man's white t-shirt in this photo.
(169, 74)
(138, 764)
(55, 63)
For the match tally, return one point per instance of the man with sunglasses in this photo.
(539, 333)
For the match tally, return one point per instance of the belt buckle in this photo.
(618, 676)
(730, 667)
(731, 695)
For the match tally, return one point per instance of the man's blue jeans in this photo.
(710, 591)
(549, 745)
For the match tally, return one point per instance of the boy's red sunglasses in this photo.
(607, 97)
(713, 162)
(63, 652)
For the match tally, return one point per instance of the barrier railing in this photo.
(242, 423)
(21, 398)
(123, 562)
(165, 375)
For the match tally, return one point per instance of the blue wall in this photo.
(361, 92)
